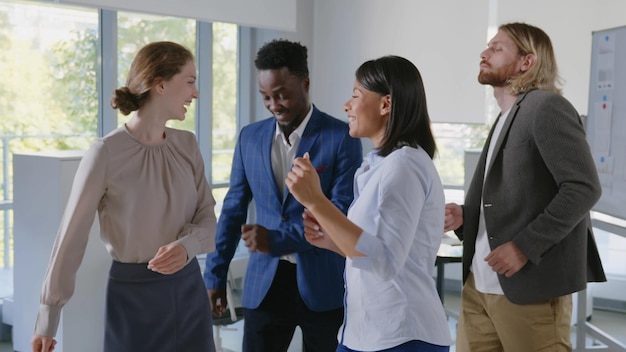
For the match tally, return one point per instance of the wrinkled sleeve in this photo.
(71, 239)
(561, 141)
(199, 236)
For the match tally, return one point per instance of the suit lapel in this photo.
(267, 138)
(310, 134)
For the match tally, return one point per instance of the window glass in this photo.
(48, 95)
(224, 117)
(452, 141)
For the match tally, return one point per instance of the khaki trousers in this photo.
(491, 323)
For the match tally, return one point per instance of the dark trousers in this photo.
(271, 326)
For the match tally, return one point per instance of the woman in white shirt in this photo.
(394, 226)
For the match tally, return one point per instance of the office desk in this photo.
(440, 264)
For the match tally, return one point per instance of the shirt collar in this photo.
(299, 130)
(373, 158)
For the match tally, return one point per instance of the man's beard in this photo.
(498, 78)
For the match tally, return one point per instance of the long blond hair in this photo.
(544, 73)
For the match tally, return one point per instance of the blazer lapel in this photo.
(310, 134)
(267, 138)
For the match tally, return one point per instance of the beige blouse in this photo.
(146, 196)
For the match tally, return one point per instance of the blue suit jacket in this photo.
(336, 156)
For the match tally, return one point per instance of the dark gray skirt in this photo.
(148, 311)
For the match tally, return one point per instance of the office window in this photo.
(224, 117)
(452, 141)
(48, 95)
(48, 75)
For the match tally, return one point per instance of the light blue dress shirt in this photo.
(391, 296)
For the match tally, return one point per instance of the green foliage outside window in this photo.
(224, 99)
(73, 65)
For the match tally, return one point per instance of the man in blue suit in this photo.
(288, 282)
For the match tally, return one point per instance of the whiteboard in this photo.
(606, 121)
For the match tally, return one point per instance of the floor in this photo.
(612, 323)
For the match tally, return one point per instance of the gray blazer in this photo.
(537, 193)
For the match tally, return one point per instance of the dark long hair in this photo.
(408, 123)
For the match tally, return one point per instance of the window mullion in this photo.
(106, 70)
(204, 63)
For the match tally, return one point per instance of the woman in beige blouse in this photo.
(147, 183)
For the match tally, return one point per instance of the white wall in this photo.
(442, 38)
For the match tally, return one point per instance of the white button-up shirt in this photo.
(390, 294)
(283, 153)
(485, 278)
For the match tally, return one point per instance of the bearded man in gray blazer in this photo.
(525, 225)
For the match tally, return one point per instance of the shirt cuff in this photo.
(368, 245)
(191, 245)
(47, 320)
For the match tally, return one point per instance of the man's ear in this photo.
(528, 61)
(306, 82)
(385, 107)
